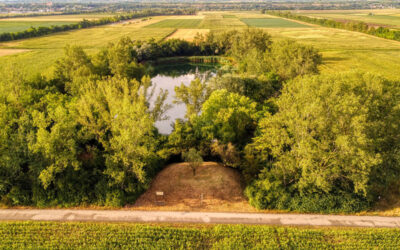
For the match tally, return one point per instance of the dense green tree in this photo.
(259, 88)
(193, 96)
(335, 135)
(122, 60)
(193, 158)
(73, 69)
(227, 117)
(289, 59)
(115, 112)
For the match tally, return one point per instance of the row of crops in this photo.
(46, 235)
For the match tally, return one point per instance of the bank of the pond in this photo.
(191, 59)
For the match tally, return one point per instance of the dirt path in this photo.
(196, 217)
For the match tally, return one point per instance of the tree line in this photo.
(358, 26)
(302, 141)
(42, 31)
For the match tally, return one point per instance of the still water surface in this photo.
(167, 77)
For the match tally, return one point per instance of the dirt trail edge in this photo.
(196, 217)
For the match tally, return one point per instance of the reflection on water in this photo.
(169, 76)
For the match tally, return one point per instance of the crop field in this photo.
(48, 235)
(187, 34)
(228, 16)
(342, 50)
(44, 51)
(272, 23)
(218, 21)
(12, 26)
(389, 18)
(176, 23)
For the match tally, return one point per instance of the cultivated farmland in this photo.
(176, 23)
(389, 18)
(272, 23)
(46, 235)
(342, 50)
(12, 26)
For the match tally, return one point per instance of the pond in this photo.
(167, 77)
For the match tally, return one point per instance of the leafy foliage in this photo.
(331, 136)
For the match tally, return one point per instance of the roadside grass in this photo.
(272, 23)
(176, 23)
(89, 235)
(12, 26)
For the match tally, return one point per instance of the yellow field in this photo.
(187, 34)
(7, 52)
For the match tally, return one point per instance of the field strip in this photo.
(300, 22)
(7, 52)
(187, 34)
(197, 217)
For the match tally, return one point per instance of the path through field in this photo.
(196, 217)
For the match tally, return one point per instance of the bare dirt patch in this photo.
(220, 187)
(7, 52)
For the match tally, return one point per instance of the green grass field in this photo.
(228, 16)
(176, 23)
(50, 235)
(11, 26)
(271, 23)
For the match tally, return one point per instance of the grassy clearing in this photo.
(12, 26)
(272, 23)
(49, 235)
(176, 23)
(187, 34)
(228, 16)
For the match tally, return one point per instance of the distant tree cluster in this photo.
(358, 26)
(42, 31)
(303, 141)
